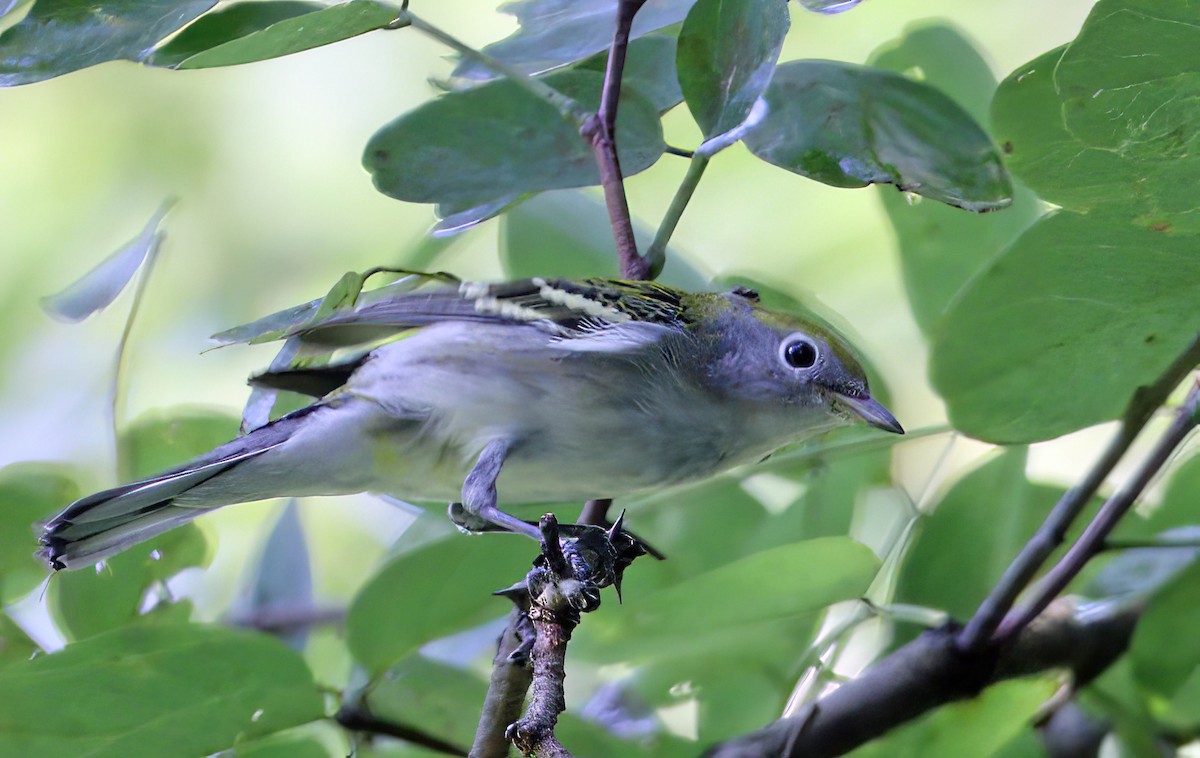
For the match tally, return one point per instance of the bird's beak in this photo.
(871, 411)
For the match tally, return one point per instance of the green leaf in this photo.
(1057, 332)
(1162, 659)
(649, 69)
(29, 493)
(431, 592)
(554, 33)
(976, 530)
(96, 289)
(428, 695)
(975, 728)
(1144, 570)
(469, 147)
(726, 57)
(567, 233)
(154, 689)
(850, 126)
(283, 745)
(15, 645)
(86, 603)
(60, 36)
(758, 588)
(941, 247)
(226, 24)
(293, 35)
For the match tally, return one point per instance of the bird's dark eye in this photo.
(800, 354)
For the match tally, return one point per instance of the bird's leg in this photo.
(478, 512)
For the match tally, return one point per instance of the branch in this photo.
(506, 688)
(1143, 404)
(932, 671)
(1091, 541)
(358, 718)
(600, 131)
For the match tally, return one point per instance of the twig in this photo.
(1143, 404)
(1092, 539)
(506, 689)
(600, 132)
(932, 671)
(358, 718)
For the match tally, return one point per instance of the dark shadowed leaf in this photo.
(96, 289)
(977, 528)
(292, 35)
(726, 56)
(86, 602)
(1162, 662)
(850, 126)
(29, 493)
(567, 233)
(554, 33)
(469, 147)
(940, 246)
(1144, 570)
(971, 729)
(1057, 333)
(226, 24)
(155, 689)
(433, 591)
(280, 583)
(60, 36)
(649, 69)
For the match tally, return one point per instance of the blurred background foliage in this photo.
(266, 160)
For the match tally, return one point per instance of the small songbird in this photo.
(530, 391)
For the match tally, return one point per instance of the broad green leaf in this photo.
(85, 603)
(1116, 697)
(1144, 570)
(154, 689)
(1162, 658)
(758, 588)
(1178, 509)
(850, 126)
(649, 69)
(297, 33)
(1057, 333)
(726, 56)
(429, 696)
(428, 593)
(469, 147)
(567, 233)
(976, 728)
(976, 530)
(283, 745)
(96, 289)
(29, 493)
(60, 36)
(225, 24)
(281, 578)
(15, 645)
(554, 33)
(940, 246)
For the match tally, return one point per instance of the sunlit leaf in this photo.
(1057, 333)
(297, 33)
(96, 289)
(726, 56)
(438, 589)
(29, 493)
(850, 126)
(472, 146)
(60, 36)
(155, 689)
(941, 247)
(225, 24)
(553, 33)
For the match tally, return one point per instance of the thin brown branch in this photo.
(1091, 541)
(1145, 401)
(932, 671)
(600, 132)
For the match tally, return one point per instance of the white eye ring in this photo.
(799, 352)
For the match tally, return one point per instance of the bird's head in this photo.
(783, 360)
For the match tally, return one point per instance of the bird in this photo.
(538, 390)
